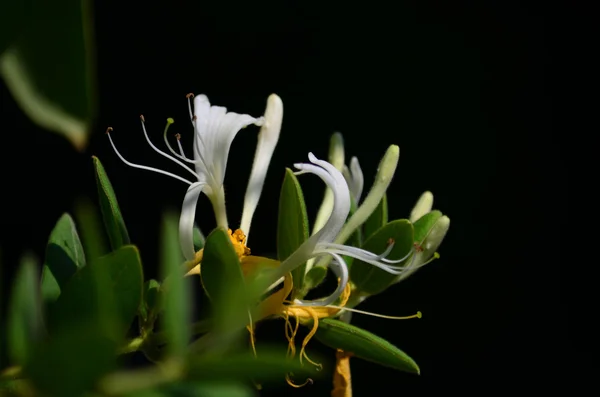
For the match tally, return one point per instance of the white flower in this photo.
(322, 243)
(214, 131)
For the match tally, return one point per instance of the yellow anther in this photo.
(238, 238)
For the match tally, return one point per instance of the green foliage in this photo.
(363, 344)
(292, 226)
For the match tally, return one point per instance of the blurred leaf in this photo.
(198, 239)
(223, 282)
(111, 213)
(64, 256)
(292, 226)
(72, 361)
(91, 231)
(363, 344)
(150, 301)
(377, 220)
(165, 382)
(424, 225)
(106, 293)
(209, 389)
(370, 279)
(13, 20)
(24, 313)
(49, 67)
(267, 365)
(177, 296)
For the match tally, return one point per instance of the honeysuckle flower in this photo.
(214, 131)
(322, 242)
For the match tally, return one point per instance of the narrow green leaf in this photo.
(72, 361)
(199, 239)
(64, 256)
(370, 279)
(363, 344)
(267, 365)
(424, 225)
(24, 313)
(111, 213)
(223, 281)
(59, 96)
(292, 225)
(378, 218)
(177, 297)
(91, 230)
(106, 293)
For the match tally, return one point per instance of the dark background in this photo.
(459, 87)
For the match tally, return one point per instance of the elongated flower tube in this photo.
(322, 243)
(214, 131)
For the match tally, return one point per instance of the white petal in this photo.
(341, 207)
(358, 179)
(341, 196)
(267, 140)
(187, 218)
(422, 207)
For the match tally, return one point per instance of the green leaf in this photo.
(72, 361)
(24, 313)
(91, 231)
(113, 220)
(64, 256)
(378, 218)
(177, 297)
(315, 276)
(424, 225)
(199, 239)
(363, 344)
(223, 282)
(106, 293)
(58, 95)
(370, 279)
(292, 225)
(267, 365)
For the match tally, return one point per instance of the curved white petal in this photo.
(187, 218)
(341, 207)
(267, 140)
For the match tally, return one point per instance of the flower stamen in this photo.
(143, 167)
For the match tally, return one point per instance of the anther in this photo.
(178, 136)
(109, 130)
(142, 118)
(194, 118)
(418, 247)
(190, 95)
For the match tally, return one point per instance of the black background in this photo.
(459, 87)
